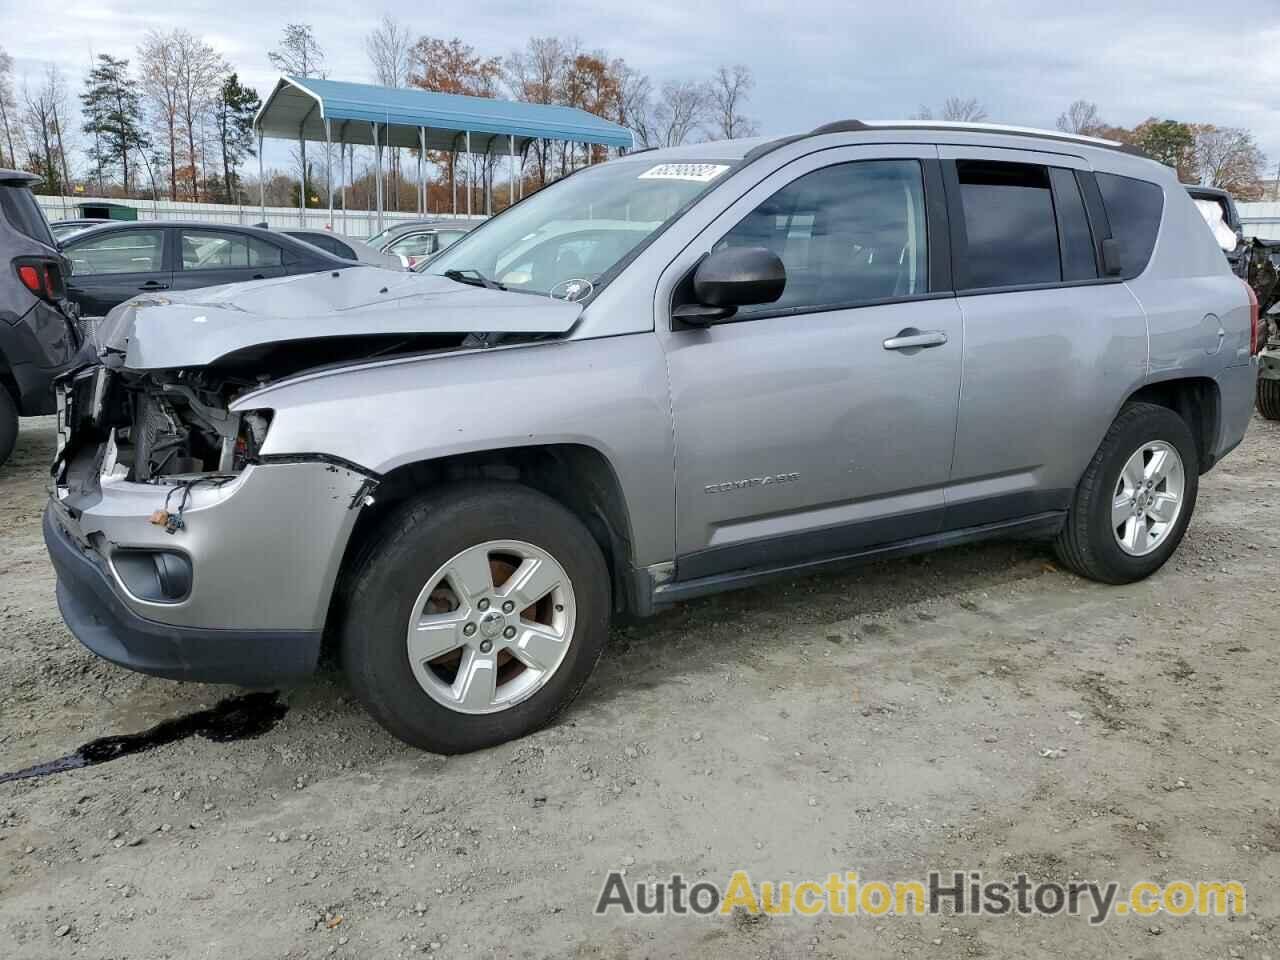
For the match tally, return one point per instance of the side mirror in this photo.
(1111, 257)
(731, 278)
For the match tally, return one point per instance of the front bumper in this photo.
(94, 611)
(264, 551)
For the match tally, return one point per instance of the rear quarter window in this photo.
(1134, 208)
(23, 212)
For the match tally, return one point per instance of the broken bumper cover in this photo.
(96, 614)
(262, 551)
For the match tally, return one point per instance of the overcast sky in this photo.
(813, 62)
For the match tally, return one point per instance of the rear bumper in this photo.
(95, 612)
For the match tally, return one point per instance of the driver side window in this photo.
(847, 234)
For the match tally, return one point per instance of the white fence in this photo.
(1261, 220)
(354, 223)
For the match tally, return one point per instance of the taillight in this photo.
(1255, 322)
(32, 278)
(42, 276)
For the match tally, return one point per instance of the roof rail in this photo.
(859, 126)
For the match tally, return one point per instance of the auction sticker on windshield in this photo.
(697, 172)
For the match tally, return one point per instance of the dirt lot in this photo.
(976, 709)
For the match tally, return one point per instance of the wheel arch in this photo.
(577, 476)
(1197, 400)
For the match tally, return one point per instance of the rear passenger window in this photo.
(1012, 237)
(847, 234)
(1075, 240)
(1134, 208)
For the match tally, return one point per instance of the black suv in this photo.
(39, 338)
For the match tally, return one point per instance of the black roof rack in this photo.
(858, 126)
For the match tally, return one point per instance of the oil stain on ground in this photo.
(235, 718)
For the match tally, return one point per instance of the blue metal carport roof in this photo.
(299, 106)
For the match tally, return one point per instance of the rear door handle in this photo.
(154, 285)
(906, 339)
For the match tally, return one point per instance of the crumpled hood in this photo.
(197, 328)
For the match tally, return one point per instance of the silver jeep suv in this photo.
(675, 373)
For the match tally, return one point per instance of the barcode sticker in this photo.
(697, 172)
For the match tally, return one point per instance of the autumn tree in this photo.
(1169, 142)
(1228, 158)
(234, 108)
(451, 66)
(730, 89)
(1082, 118)
(590, 83)
(112, 109)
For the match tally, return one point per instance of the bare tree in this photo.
(636, 106)
(955, 109)
(199, 77)
(1228, 158)
(1081, 118)
(299, 55)
(536, 75)
(158, 61)
(387, 46)
(730, 89)
(8, 105)
(681, 109)
(40, 117)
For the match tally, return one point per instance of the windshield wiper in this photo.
(475, 278)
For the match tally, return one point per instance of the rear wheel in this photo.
(8, 424)
(1136, 497)
(1269, 399)
(476, 616)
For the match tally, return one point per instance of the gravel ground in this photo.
(974, 709)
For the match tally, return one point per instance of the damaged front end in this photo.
(179, 551)
(153, 427)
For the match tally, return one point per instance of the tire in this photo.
(1088, 544)
(412, 546)
(1269, 399)
(8, 424)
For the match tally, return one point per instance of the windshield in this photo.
(580, 227)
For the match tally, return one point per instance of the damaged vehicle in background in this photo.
(671, 374)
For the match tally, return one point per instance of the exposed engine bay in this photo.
(166, 426)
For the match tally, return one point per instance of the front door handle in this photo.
(910, 337)
(154, 285)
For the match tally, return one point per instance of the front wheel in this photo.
(476, 617)
(1136, 497)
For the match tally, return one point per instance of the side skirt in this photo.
(650, 595)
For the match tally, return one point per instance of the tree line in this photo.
(175, 119)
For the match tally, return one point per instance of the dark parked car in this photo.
(38, 335)
(110, 264)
